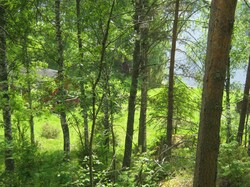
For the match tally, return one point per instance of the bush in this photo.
(49, 131)
(234, 165)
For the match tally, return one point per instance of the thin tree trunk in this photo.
(82, 83)
(31, 116)
(246, 131)
(91, 175)
(61, 93)
(107, 112)
(4, 88)
(228, 112)
(133, 87)
(106, 124)
(27, 64)
(244, 105)
(113, 142)
(218, 48)
(142, 141)
(94, 111)
(171, 82)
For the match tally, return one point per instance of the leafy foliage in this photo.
(49, 131)
(234, 165)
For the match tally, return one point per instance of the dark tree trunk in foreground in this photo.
(171, 83)
(5, 98)
(218, 48)
(133, 87)
(61, 93)
(228, 112)
(142, 141)
(82, 83)
(243, 110)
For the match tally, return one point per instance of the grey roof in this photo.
(46, 72)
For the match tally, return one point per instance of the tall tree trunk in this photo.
(82, 83)
(218, 48)
(142, 141)
(27, 63)
(5, 97)
(171, 83)
(94, 86)
(244, 105)
(61, 93)
(133, 87)
(228, 112)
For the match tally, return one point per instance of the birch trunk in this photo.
(4, 94)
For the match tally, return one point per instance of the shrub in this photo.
(49, 131)
(234, 165)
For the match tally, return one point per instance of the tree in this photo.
(25, 31)
(95, 111)
(61, 92)
(245, 101)
(228, 113)
(134, 83)
(218, 47)
(142, 141)
(82, 83)
(244, 105)
(27, 64)
(4, 94)
(171, 81)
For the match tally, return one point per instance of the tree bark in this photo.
(82, 82)
(171, 83)
(228, 112)
(142, 141)
(246, 130)
(61, 93)
(5, 97)
(244, 105)
(133, 87)
(218, 48)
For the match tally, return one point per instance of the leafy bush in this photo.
(27, 160)
(145, 172)
(234, 165)
(49, 131)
